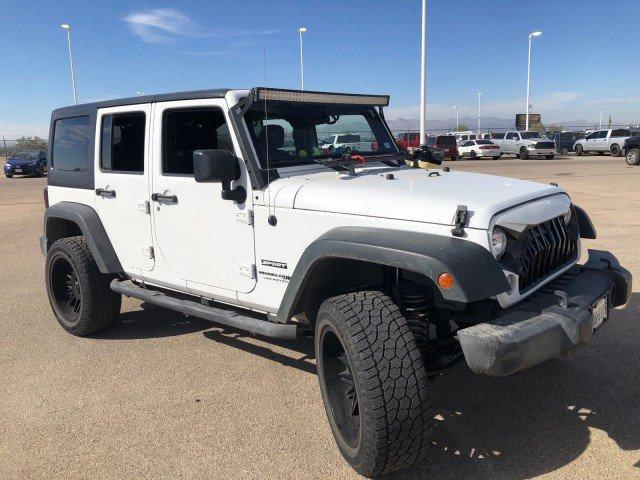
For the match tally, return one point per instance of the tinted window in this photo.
(446, 140)
(621, 133)
(470, 143)
(601, 134)
(431, 141)
(71, 143)
(122, 146)
(484, 142)
(511, 136)
(186, 130)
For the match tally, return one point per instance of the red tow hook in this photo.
(358, 158)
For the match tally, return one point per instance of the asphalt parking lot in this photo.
(164, 396)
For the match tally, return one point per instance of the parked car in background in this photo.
(408, 140)
(565, 141)
(632, 148)
(495, 135)
(447, 143)
(345, 140)
(480, 148)
(601, 141)
(526, 144)
(28, 162)
(464, 137)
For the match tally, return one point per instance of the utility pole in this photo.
(479, 95)
(423, 77)
(457, 117)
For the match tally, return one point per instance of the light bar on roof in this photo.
(278, 95)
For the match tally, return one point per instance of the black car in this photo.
(632, 150)
(565, 140)
(28, 162)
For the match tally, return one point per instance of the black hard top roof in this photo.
(162, 97)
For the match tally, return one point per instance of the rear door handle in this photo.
(105, 193)
(158, 197)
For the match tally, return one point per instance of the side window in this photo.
(468, 144)
(71, 144)
(186, 130)
(602, 134)
(122, 142)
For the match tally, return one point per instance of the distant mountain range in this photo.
(486, 123)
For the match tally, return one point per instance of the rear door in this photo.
(122, 182)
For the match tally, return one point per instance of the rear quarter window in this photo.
(71, 144)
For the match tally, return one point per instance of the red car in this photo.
(408, 140)
(447, 143)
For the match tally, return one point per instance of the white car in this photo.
(480, 148)
(193, 201)
(345, 140)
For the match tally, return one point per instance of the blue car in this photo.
(29, 162)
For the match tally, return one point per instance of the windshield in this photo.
(529, 135)
(28, 155)
(298, 133)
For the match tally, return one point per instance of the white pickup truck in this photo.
(526, 144)
(345, 140)
(602, 141)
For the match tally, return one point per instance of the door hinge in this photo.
(247, 270)
(245, 217)
(144, 206)
(148, 251)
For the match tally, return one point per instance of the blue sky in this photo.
(121, 47)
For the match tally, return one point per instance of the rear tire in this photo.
(79, 294)
(564, 151)
(579, 150)
(524, 155)
(633, 156)
(8, 175)
(373, 382)
(616, 151)
(473, 155)
(600, 153)
(496, 158)
(549, 157)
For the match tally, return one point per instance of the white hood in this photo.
(414, 194)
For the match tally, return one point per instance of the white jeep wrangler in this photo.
(222, 204)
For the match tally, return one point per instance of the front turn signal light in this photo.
(446, 281)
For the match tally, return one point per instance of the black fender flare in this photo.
(89, 223)
(585, 225)
(478, 275)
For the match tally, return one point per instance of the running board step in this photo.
(228, 317)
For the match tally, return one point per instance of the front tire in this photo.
(524, 154)
(79, 294)
(633, 156)
(473, 155)
(373, 382)
(8, 175)
(564, 151)
(579, 150)
(549, 157)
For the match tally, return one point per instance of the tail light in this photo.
(45, 194)
(488, 147)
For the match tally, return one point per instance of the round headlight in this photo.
(498, 242)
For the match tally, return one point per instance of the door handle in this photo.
(158, 197)
(105, 193)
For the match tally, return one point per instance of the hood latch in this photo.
(460, 221)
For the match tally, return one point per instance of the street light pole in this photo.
(479, 95)
(67, 27)
(531, 36)
(601, 108)
(457, 117)
(301, 31)
(423, 77)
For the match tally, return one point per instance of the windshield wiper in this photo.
(346, 162)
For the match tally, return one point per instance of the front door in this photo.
(206, 242)
(122, 183)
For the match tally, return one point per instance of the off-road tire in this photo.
(99, 305)
(390, 381)
(579, 150)
(616, 151)
(524, 155)
(633, 156)
(549, 157)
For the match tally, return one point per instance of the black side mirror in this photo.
(219, 166)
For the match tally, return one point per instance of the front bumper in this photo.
(554, 322)
(24, 170)
(539, 152)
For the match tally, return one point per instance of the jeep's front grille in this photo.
(545, 145)
(541, 250)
